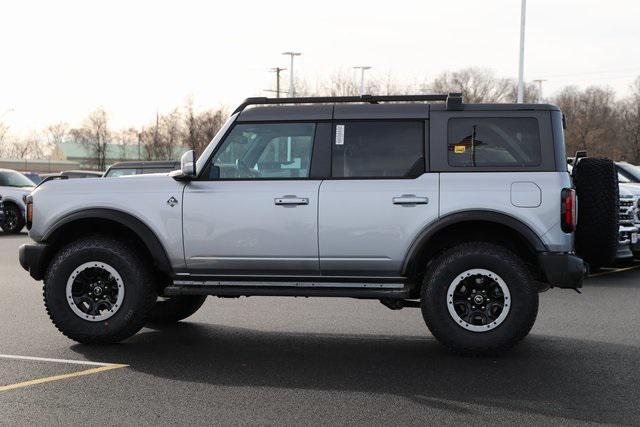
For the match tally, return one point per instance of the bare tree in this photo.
(532, 93)
(200, 128)
(478, 85)
(4, 135)
(340, 83)
(95, 135)
(592, 120)
(630, 123)
(28, 147)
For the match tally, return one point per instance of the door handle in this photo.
(410, 199)
(288, 201)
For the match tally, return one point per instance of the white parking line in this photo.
(46, 359)
(98, 367)
(615, 270)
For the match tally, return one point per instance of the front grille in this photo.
(626, 211)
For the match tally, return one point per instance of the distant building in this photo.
(85, 158)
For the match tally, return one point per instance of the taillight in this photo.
(29, 202)
(568, 212)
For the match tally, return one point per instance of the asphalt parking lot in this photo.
(321, 361)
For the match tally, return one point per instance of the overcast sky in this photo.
(61, 59)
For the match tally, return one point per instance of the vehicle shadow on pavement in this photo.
(560, 377)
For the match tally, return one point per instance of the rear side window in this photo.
(493, 142)
(378, 149)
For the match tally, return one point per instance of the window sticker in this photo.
(340, 135)
(459, 149)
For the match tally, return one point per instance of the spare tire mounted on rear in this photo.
(596, 182)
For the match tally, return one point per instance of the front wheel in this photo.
(478, 298)
(13, 219)
(98, 290)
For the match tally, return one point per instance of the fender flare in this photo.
(127, 220)
(15, 200)
(467, 216)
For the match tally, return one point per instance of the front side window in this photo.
(474, 142)
(265, 151)
(392, 149)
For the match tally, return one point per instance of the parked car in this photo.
(628, 217)
(140, 168)
(13, 187)
(629, 177)
(466, 211)
(33, 176)
(1, 211)
(74, 174)
(629, 172)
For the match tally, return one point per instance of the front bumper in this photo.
(32, 258)
(627, 239)
(562, 270)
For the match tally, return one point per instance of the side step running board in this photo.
(371, 290)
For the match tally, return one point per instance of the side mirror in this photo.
(188, 164)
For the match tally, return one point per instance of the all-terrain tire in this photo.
(436, 295)
(13, 220)
(175, 309)
(140, 292)
(596, 182)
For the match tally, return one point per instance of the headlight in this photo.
(28, 200)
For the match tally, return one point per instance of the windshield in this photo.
(630, 172)
(14, 179)
(202, 160)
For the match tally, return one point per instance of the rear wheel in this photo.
(478, 298)
(97, 290)
(173, 309)
(13, 219)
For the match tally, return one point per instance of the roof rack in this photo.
(453, 100)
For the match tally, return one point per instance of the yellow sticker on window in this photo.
(459, 149)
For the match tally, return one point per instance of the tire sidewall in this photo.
(56, 299)
(524, 302)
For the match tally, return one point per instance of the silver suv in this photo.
(466, 211)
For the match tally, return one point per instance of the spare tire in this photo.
(596, 182)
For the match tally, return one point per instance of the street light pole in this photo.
(292, 89)
(362, 69)
(523, 13)
(277, 71)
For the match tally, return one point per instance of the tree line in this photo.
(597, 120)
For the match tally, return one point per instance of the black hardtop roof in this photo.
(366, 107)
(370, 111)
(145, 164)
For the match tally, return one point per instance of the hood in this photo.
(629, 189)
(121, 184)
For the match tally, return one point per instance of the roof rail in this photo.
(453, 100)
